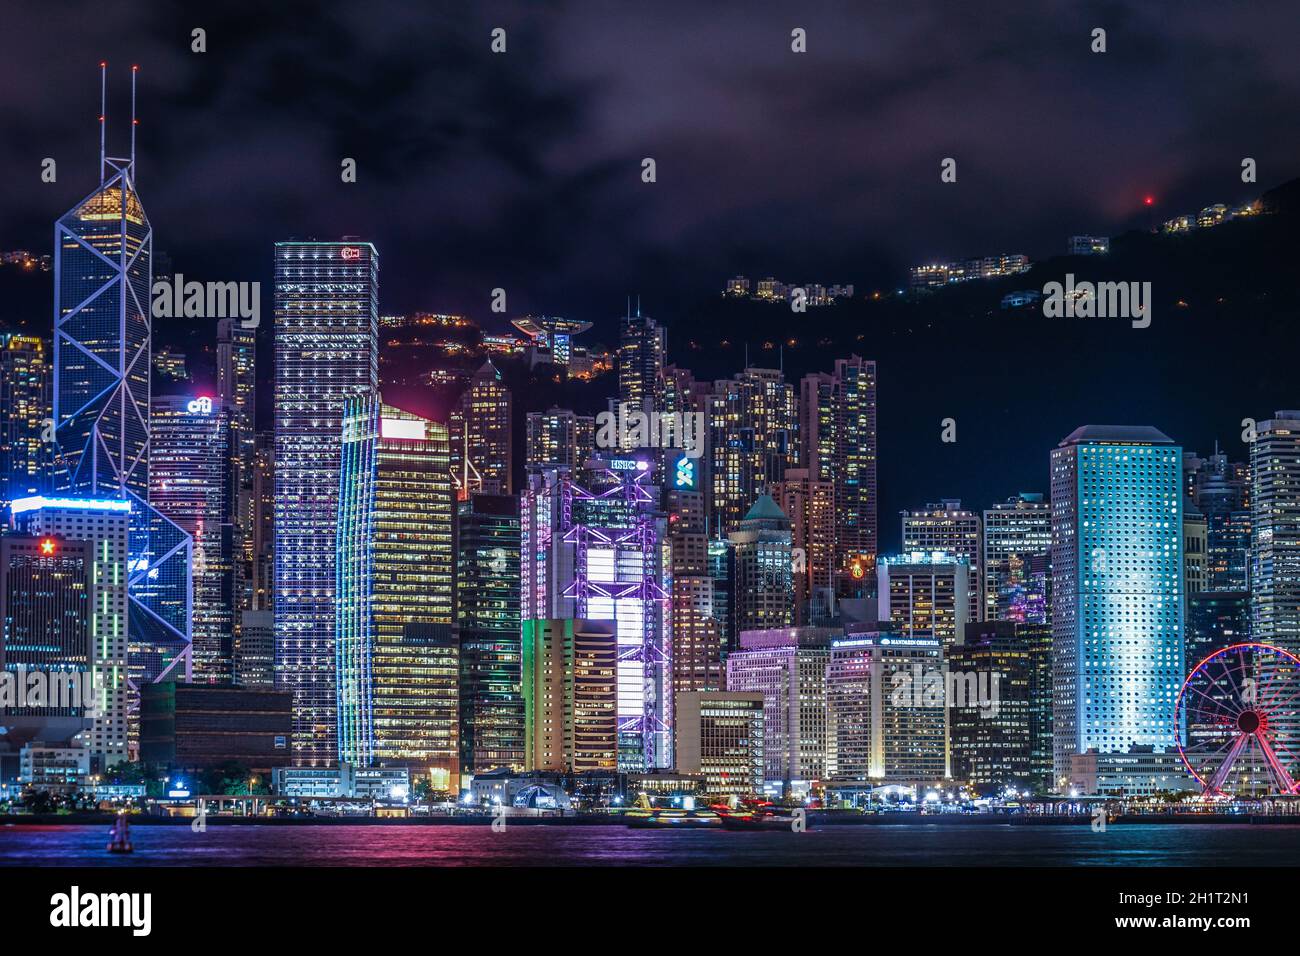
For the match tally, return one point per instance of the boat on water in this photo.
(667, 819)
(643, 815)
(119, 836)
(747, 820)
(762, 815)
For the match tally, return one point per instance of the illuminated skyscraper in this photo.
(642, 353)
(191, 483)
(696, 641)
(100, 528)
(753, 427)
(926, 594)
(722, 573)
(811, 507)
(45, 613)
(593, 547)
(326, 328)
(558, 438)
(837, 425)
(261, 583)
(1117, 602)
(1196, 566)
(570, 689)
(945, 526)
(1275, 544)
(398, 667)
(237, 392)
(788, 667)
(764, 581)
(1000, 720)
(482, 430)
(881, 725)
(103, 250)
(720, 737)
(487, 628)
(1220, 489)
(24, 407)
(1215, 620)
(1017, 558)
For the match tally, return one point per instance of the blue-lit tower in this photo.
(1117, 582)
(102, 332)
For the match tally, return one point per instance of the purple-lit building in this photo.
(593, 546)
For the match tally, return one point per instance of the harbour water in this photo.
(918, 844)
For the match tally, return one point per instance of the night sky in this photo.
(522, 170)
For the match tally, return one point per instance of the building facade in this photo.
(397, 661)
(1017, 560)
(763, 564)
(884, 723)
(926, 594)
(482, 435)
(103, 285)
(104, 526)
(191, 482)
(326, 351)
(1117, 601)
(1001, 726)
(946, 526)
(788, 667)
(810, 505)
(487, 628)
(570, 689)
(720, 737)
(24, 409)
(1275, 531)
(837, 433)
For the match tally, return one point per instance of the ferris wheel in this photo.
(1239, 710)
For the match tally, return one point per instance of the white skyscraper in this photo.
(326, 350)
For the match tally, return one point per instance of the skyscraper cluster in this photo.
(720, 607)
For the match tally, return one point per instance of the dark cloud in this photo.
(522, 170)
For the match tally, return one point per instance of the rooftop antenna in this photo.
(781, 359)
(638, 305)
(134, 122)
(746, 355)
(103, 82)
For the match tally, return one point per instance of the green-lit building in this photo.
(570, 689)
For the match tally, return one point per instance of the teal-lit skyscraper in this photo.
(396, 659)
(1117, 570)
(103, 248)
